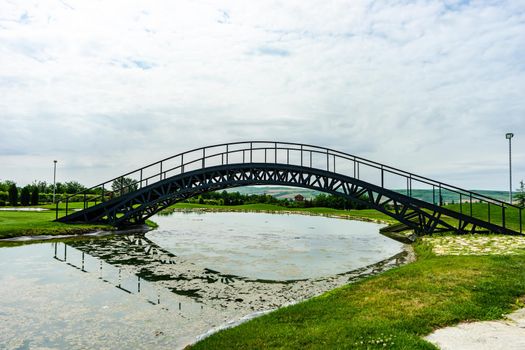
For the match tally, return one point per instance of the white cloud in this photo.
(109, 86)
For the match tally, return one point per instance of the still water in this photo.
(274, 247)
(164, 288)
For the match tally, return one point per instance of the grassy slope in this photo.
(392, 310)
(481, 211)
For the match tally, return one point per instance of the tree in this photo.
(60, 188)
(4, 185)
(73, 187)
(124, 185)
(25, 196)
(520, 195)
(41, 186)
(13, 194)
(34, 196)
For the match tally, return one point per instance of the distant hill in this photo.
(449, 197)
(279, 192)
(282, 192)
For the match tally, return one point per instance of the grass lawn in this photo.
(23, 223)
(392, 310)
(481, 211)
(62, 207)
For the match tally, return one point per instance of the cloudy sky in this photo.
(105, 87)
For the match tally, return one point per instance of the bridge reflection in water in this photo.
(89, 258)
(136, 265)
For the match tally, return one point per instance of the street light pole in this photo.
(509, 136)
(54, 180)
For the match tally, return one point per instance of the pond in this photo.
(195, 273)
(270, 246)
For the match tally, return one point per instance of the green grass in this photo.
(23, 223)
(392, 310)
(481, 211)
(62, 206)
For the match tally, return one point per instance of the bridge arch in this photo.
(161, 184)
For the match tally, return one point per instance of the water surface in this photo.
(273, 246)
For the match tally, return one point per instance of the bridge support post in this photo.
(503, 216)
(521, 227)
(327, 161)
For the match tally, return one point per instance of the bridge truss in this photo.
(156, 186)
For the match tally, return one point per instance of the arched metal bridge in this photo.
(391, 191)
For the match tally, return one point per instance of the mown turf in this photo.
(23, 223)
(392, 310)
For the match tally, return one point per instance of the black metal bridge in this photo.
(133, 197)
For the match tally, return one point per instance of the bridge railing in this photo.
(410, 184)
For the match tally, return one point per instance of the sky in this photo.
(105, 87)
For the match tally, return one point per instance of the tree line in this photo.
(38, 192)
(236, 198)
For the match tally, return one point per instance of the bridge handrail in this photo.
(275, 146)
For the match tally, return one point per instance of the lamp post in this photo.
(54, 180)
(509, 136)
